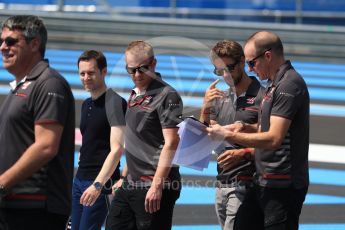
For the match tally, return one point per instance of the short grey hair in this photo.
(31, 26)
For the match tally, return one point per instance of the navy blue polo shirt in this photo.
(159, 108)
(44, 97)
(97, 118)
(288, 97)
(245, 109)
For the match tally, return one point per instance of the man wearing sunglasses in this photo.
(152, 185)
(36, 131)
(281, 141)
(239, 103)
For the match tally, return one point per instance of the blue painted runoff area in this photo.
(205, 189)
(327, 110)
(315, 109)
(317, 175)
(193, 74)
(327, 176)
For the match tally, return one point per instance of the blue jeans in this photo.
(87, 217)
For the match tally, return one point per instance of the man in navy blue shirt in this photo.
(102, 126)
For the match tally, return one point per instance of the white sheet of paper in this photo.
(195, 146)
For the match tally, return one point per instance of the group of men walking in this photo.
(261, 183)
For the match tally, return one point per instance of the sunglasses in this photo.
(228, 68)
(141, 69)
(9, 41)
(252, 62)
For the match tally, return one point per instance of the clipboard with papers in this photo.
(195, 146)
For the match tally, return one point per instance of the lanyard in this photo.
(136, 100)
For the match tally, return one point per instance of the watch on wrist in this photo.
(3, 190)
(98, 185)
(240, 122)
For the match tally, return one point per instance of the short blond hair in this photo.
(140, 47)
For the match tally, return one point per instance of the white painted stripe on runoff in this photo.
(327, 153)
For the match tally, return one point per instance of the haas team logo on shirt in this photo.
(251, 100)
(26, 84)
(147, 100)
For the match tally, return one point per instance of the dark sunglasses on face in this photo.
(9, 41)
(252, 62)
(141, 69)
(228, 68)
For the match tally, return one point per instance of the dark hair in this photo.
(228, 49)
(31, 26)
(94, 54)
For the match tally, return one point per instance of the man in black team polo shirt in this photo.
(282, 140)
(147, 197)
(239, 103)
(102, 126)
(36, 132)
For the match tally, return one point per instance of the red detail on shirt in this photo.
(26, 197)
(251, 109)
(276, 177)
(21, 94)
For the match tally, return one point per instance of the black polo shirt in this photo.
(245, 109)
(160, 108)
(44, 97)
(287, 96)
(97, 118)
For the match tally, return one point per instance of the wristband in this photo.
(247, 154)
(247, 150)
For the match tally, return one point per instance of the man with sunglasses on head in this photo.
(239, 103)
(36, 132)
(281, 141)
(152, 185)
(102, 126)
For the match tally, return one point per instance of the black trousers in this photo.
(270, 209)
(127, 210)
(38, 219)
(3, 224)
